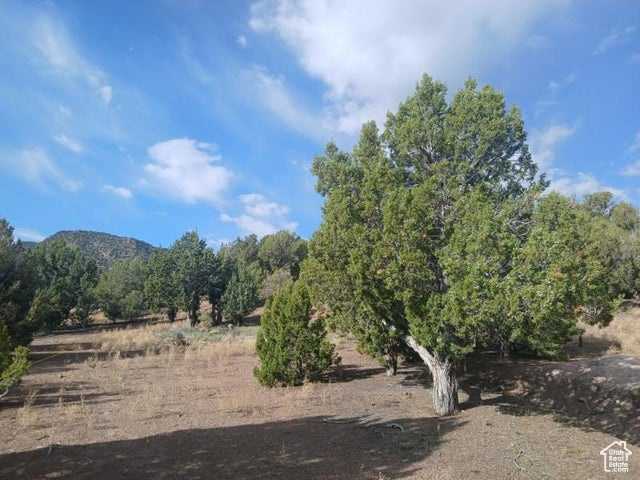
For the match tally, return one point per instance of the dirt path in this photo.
(198, 413)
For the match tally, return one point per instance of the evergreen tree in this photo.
(435, 231)
(291, 347)
(241, 294)
(120, 290)
(65, 280)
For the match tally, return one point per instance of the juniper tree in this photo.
(241, 294)
(291, 346)
(435, 231)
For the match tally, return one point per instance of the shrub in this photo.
(290, 346)
(12, 364)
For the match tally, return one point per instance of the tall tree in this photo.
(17, 289)
(217, 283)
(192, 274)
(120, 290)
(241, 250)
(161, 287)
(615, 240)
(281, 250)
(65, 278)
(18, 283)
(427, 228)
(241, 294)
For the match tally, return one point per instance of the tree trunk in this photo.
(443, 372)
(504, 348)
(192, 313)
(391, 363)
(216, 315)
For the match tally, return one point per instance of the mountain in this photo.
(104, 248)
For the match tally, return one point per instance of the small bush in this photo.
(13, 364)
(291, 347)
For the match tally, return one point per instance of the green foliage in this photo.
(120, 291)
(217, 284)
(177, 278)
(243, 250)
(291, 347)
(18, 284)
(282, 250)
(13, 364)
(274, 282)
(241, 294)
(65, 279)
(616, 242)
(436, 231)
(194, 268)
(161, 287)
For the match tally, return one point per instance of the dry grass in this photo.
(625, 328)
(130, 339)
(132, 351)
(245, 402)
(622, 335)
(216, 353)
(28, 414)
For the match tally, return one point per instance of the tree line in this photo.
(54, 284)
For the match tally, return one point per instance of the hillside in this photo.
(104, 248)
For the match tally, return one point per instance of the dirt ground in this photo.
(132, 404)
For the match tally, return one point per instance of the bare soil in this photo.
(93, 409)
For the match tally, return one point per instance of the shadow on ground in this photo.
(594, 394)
(347, 373)
(302, 448)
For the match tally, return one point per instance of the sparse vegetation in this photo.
(104, 248)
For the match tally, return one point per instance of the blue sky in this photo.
(151, 118)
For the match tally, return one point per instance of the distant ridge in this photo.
(104, 248)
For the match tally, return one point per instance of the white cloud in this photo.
(545, 142)
(553, 87)
(370, 54)
(106, 93)
(54, 44)
(549, 98)
(632, 170)
(73, 145)
(64, 111)
(582, 184)
(71, 185)
(634, 58)
(35, 166)
(119, 191)
(271, 91)
(260, 216)
(615, 37)
(182, 170)
(257, 205)
(28, 235)
(242, 41)
(635, 146)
